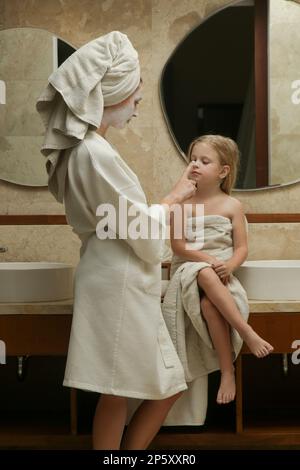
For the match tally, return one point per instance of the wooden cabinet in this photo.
(36, 410)
(281, 329)
(266, 412)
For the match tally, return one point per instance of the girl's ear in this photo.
(225, 171)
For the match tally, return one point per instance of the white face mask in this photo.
(118, 116)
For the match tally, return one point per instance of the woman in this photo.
(119, 343)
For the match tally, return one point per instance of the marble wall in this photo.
(154, 27)
(26, 62)
(284, 90)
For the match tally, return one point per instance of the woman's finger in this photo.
(189, 169)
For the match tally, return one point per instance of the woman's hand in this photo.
(183, 189)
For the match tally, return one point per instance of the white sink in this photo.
(35, 281)
(270, 279)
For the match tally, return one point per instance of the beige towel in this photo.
(187, 328)
(101, 73)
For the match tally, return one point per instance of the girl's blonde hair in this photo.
(228, 154)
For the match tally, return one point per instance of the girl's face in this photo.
(209, 168)
(120, 114)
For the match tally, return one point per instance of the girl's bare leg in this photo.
(220, 335)
(221, 297)
(146, 422)
(109, 422)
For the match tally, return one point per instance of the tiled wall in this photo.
(155, 27)
(26, 63)
(284, 40)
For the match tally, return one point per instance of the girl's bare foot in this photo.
(226, 391)
(258, 346)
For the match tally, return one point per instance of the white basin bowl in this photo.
(35, 281)
(270, 279)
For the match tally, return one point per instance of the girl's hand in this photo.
(217, 263)
(225, 280)
(223, 269)
(213, 261)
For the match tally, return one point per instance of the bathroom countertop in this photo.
(269, 306)
(65, 307)
(61, 307)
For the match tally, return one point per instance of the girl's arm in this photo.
(240, 237)
(178, 245)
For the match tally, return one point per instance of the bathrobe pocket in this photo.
(153, 288)
(150, 280)
(165, 345)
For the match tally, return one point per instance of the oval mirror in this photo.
(28, 57)
(235, 74)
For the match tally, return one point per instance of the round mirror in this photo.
(28, 57)
(214, 83)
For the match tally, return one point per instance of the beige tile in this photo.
(284, 11)
(274, 241)
(38, 44)
(26, 54)
(285, 158)
(34, 13)
(11, 64)
(273, 200)
(212, 6)
(2, 14)
(284, 50)
(282, 107)
(168, 164)
(56, 243)
(19, 114)
(91, 17)
(15, 199)
(135, 147)
(21, 161)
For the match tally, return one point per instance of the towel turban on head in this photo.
(103, 72)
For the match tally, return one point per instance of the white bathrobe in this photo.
(119, 342)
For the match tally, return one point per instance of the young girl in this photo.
(217, 160)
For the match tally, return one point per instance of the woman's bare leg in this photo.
(109, 422)
(146, 422)
(221, 297)
(220, 335)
